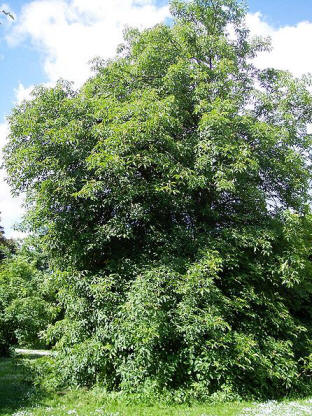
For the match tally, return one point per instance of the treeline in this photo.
(28, 301)
(170, 198)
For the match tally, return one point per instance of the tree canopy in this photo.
(171, 193)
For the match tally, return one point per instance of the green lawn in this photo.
(14, 392)
(18, 398)
(81, 403)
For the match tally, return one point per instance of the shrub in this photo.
(26, 306)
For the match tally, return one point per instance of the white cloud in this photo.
(10, 208)
(290, 45)
(70, 33)
(257, 25)
(23, 93)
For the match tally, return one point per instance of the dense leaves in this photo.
(27, 301)
(3, 243)
(171, 193)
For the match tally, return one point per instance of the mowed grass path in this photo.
(18, 398)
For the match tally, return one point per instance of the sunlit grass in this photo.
(18, 398)
(89, 403)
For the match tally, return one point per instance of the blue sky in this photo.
(56, 38)
(24, 63)
(18, 64)
(283, 12)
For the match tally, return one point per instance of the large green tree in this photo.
(172, 193)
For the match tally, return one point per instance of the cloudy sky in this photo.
(52, 39)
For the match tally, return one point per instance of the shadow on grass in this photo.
(15, 390)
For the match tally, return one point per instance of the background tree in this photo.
(27, 299)
(2, 239)
(171, 193)
(7, 245)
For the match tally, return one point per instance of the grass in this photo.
(18, 398)
(14, 392)
(81, 403)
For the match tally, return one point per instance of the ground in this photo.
(18, 398)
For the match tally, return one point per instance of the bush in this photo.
(26, 306)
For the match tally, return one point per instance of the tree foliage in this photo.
(2, 242)
(172, 195)
(27, 300)
(7, 245)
